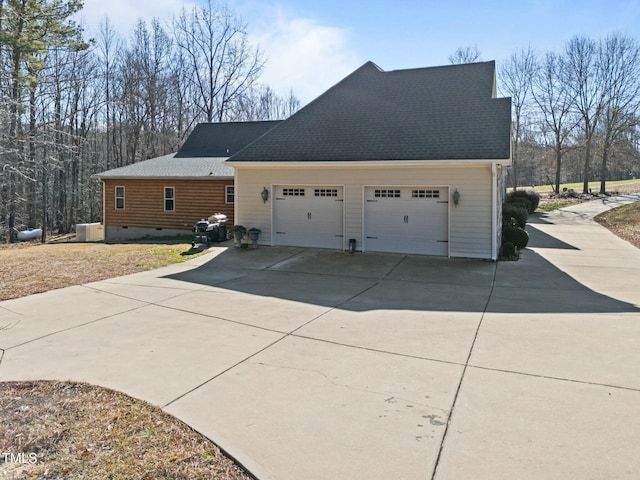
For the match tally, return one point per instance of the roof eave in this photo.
(156, 177)
(367, 163)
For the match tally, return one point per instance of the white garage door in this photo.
(308, 216)
(407, 220)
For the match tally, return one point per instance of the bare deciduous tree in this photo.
(620, 62)
(68, 111)
(554, 102)
(29, 29)
(467, 54)
(517, 75)
(585, 77)
(262, 103)
(223, 65)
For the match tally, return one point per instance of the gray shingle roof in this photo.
(170, 166)
(222, 139)
(437, 113)
(202, 154)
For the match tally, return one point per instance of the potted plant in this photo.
(238, 233)
(254, 234)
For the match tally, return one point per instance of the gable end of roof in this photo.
(435, 113)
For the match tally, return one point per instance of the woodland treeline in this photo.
(575, 112)
(72, 106)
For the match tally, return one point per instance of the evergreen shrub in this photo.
(514, 215)
(518, 236)
(531, 196)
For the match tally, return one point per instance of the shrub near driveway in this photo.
(514, 215)
(28, 268)
(528, 198)
(515, 212)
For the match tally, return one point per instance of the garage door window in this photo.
(326, 192)
(386, 193)
(425, 193)
(293, 192)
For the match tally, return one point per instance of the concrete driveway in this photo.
(323, 365)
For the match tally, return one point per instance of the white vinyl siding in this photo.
(470, 223)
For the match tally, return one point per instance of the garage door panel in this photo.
(407, 220)
(309, 216)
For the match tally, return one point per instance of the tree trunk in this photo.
(514, 166)
(587, 162)
(45, 196)
(603, 168)
(31, 168)
(558, 167)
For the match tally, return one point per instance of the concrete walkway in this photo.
(323, 365)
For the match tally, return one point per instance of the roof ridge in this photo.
(442, 67)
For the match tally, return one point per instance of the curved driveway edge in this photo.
(319, 364)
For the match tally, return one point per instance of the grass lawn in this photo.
(624, 222)
(62, 430)
(56, 430)
(28, 268)
(549, 202)
(612, 186)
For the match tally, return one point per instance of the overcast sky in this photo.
(311, 45)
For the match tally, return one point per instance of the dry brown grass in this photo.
(55, 430)
(28, 268)
(78, 431)
(624, 222)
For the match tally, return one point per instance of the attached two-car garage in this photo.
(308, 216)
(406, 220)
(395, 219)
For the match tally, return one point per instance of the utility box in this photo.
(89, 232)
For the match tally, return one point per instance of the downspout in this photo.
(104, 209)
(494, 212)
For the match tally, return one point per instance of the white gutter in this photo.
(369, 163)
(156, 177)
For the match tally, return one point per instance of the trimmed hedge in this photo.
(518, 236)
(530, 196)
(508, 251)
(520, 202)
(514, 215)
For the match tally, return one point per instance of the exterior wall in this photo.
(144, 206)
(471, 224)
(119, 234)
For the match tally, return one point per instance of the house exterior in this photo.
(407, 161)
(169, 194)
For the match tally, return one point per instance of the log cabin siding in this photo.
(144, 202)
